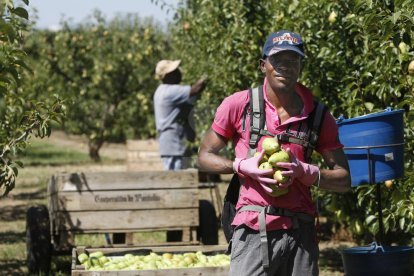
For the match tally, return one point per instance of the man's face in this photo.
(282, 69)
(173, 77)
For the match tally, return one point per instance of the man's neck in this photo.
(287, 102)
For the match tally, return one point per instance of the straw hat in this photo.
(166, 66)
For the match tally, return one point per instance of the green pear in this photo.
(411, 68)
(280, 156)
(103, 260)
(264, 158)
(95, 261)
(404, 48)
(96, 254)
(277, 191)
(87, 264)
(265, 166)
(167, 256)
(83, 258)
(270, 145)
(279, 177)
(332, 17)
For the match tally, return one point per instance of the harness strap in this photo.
(257, 118)
(284, 137)
(313, 129)
(274, 211)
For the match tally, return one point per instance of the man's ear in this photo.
(262, 67)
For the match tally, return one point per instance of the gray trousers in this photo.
(291, 252)
(173, 163)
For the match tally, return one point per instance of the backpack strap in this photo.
(314, 127)
(257, 115)
(257, 118)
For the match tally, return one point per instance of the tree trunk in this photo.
(94, 147)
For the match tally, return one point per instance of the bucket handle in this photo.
(340, 118)
(377, 248)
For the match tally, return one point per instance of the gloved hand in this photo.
(250, 168)
(306, 173)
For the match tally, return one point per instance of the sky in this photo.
(50, 12)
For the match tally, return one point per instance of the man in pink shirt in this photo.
(291, 245)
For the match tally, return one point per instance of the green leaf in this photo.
(19, 11)
(370, 219)
(395, 16)
(369, 106)
(402, 223)
(9, 4)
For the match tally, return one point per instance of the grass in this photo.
(41, 153)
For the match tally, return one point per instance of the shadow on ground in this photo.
(39, 194)
(13, 267)
(11, 237)
(331, 257)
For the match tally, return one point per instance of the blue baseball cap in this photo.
(283, 41)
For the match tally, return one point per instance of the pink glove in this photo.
(250, 168)
(306, 173)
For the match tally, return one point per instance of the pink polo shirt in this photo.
(228, 123)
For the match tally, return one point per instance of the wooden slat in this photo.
(52, 204)
(127, 200)
(127, 219)
(143, 155)
(91, 181)
(129, 238)
(146, 166)
(206, 249)
(199, 271)
(142, 145)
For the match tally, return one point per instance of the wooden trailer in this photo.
(120, 203)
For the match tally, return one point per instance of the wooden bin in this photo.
(79, 270)
(143, 155)
(122, 202)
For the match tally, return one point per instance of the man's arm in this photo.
(209, 159)
(198, 87)
(337, 178)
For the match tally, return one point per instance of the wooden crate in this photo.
(79, 270)
(143, 155)
(121, 202)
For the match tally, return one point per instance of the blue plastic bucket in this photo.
(377, 138)
(378, 260)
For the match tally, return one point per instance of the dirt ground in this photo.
(329, 249)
